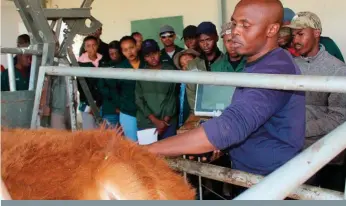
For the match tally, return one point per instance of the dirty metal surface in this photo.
(244, 179)
(16, 108)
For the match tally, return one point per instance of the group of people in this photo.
(261, 129)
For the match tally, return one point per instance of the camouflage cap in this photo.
(226, 29)
(306, 19)
(284, 31)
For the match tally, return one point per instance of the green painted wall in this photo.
(150, 28)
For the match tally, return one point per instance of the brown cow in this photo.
(98, 164)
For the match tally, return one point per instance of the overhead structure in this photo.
(45, 50)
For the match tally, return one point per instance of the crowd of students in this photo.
(289, 120)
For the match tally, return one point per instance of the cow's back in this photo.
(98, 164)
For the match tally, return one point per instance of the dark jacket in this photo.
(224, 65)
(93, 84)
(21, 77)
(157, 98)
(165, 58)
(109, 90)
(127, 90)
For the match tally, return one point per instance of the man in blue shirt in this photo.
(262, 128)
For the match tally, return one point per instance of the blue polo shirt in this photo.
(262, 128)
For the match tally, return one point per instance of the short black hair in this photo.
(114, 45)
(89, 38)
(127, 38)
(135, 33)
(25, 38)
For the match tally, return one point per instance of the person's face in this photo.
(207, 43)
(249, 30)
(24, 60)
(153, 58)
(304, 40)
(91, 47)
(22, 43)
(139, 40)
(167, 39)
(129, 50)
(184, 60)
(114, 54)
(227, 41)
(191, 42)
(285, 40)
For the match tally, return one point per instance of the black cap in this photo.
(206, 28)
(189, 32)
(149, 46)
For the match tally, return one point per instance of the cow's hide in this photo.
(85, 165)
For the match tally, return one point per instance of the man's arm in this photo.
(246, 114)
(170, 108)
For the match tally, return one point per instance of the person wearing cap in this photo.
(181, 61)
(324, 110)
(327, 42)
(207, 40)
(156, 101)
(190, 38)
(127, 97)
(167, 36)
(231, 61)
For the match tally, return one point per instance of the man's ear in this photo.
(273, 29)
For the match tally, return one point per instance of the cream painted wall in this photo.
(331, 12)
(116, 15)
(11, 27)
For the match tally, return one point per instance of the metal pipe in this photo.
(269, 81)
(11, 73)
(5, 50)
(278, 184)
(244, 179)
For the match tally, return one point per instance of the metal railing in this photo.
(11, 67)
(285, 179)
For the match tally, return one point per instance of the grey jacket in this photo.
(324, 111)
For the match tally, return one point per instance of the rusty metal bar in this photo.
(244, 179)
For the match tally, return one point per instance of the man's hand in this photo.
(117, 110)
(160, 125)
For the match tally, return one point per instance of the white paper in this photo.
(147, 136)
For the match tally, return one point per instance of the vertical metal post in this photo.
(11, 73)
(33, 70)
(200, 189)
(185, 174)
(38, 93)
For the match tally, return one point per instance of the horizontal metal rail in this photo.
(299, 169)
(244, 179)
(268, 81)
(5, 50)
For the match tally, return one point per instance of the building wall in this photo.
(11, 27)
(116, 15)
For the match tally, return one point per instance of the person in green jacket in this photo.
(231, 61)
(156, 101)
(109, 89)
(128, 109)
(90, 58)
(167, 37)
(21, 74)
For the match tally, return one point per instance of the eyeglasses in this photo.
(167, 36)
